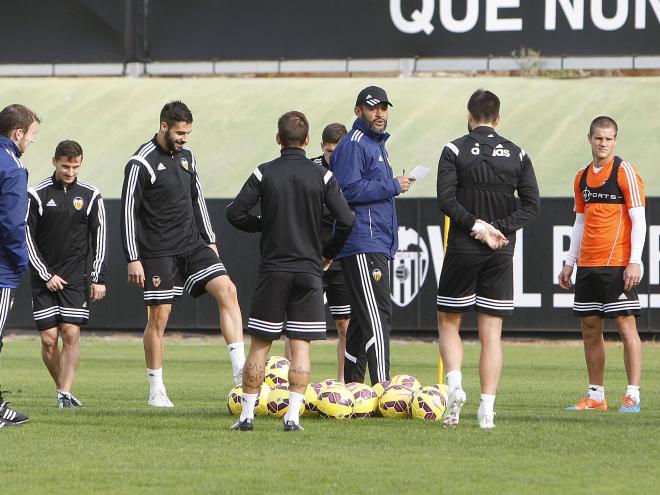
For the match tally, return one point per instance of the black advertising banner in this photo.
(321, 29)
(78, 31)
(541, 306)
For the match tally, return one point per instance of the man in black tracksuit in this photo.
(292, 191)
(64, 215)
(169, 242)
(478, 175)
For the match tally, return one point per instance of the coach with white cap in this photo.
(362, 169)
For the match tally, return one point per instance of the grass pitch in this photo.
(117, 444)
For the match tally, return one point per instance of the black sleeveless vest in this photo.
(609, 192)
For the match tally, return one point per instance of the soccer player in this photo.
(606, 243)
(361, 165)
(292, 191)
(18, 128)
(169, 242)
(64, 215)
(334, 286)
(478, 175)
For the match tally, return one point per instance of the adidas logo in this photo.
(623, 297)
(380, 158)
(51, 203)
(161, 167)
(500, 151)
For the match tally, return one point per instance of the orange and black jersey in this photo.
(604, 197)
(61, 224)
(163, 207)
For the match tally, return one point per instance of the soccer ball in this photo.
(330, 382)
(428, 403)
(234, 400)
(379, 388)
(278, 402)
(261, 406)
(277, 371)
(312, 399)
(335, 402)
(395, 402)
(365, 400)
(408, 381)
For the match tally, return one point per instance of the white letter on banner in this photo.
(654, 254)
(559, 232)
(611, 23)
(454, 25)
(640, 12)
(437, 250)
(573, 10)
(520, 299)
(494, 23)
(421, 20)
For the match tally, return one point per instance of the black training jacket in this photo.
(478, 176)
(293, 191)
(61, 223)
(163, 207)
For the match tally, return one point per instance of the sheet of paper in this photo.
(419, 172)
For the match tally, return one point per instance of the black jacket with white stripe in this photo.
(163, 207)
(328, 225)
(60, 225)
(478, 176)
(293, 191)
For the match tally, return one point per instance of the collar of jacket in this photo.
(376, 136)
(292, 151)
(59, 184)
(10, 145)
(484, 130)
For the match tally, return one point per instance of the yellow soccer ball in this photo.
(234, 400)
(365, 400)
(335, 402)
(277, 371)
(278, 402)
(261, 406)
(312, 399)
(395, 402)
(408, 381)
(379, 388)
(428, 403)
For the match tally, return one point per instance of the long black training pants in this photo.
(368, 281)
(6, 298)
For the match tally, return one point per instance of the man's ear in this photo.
(277, 139)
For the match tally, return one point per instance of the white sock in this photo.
(596, 392)
(247, 405)
(155, 380)
(237, 357)
(454, 380)
(486, 405)
(295, 401)
(633, 391)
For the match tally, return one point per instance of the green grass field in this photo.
(117, 444)
(235, 121)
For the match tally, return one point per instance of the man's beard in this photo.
(171, 143)
(370, 125)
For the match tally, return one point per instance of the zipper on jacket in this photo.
(371, 232)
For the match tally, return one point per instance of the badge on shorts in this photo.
(77, 202)
(184, 163)
(376, 274)
(155, 280)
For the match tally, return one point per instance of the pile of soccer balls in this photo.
(401, 397)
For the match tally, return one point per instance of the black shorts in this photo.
(165, 278)
(298, 297)
(336, 294)
(476, 281)
(69, 305)
(599, 292)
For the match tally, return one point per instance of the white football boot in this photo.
(456, 400)
(159, 399)
(486, 421)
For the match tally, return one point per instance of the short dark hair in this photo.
(293, 129)
(333, 133)
(176, 111)
(484, 106)
(68, 149)
(603, 121)
(16, 116)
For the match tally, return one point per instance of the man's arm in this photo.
(97, 233)
(135, 179)
(343, 215)
(13, 210)
(530, 200)
(348, 163)
(633, 272)
(573, 252)
(201, 213)
(238, 211)
(37, 261)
